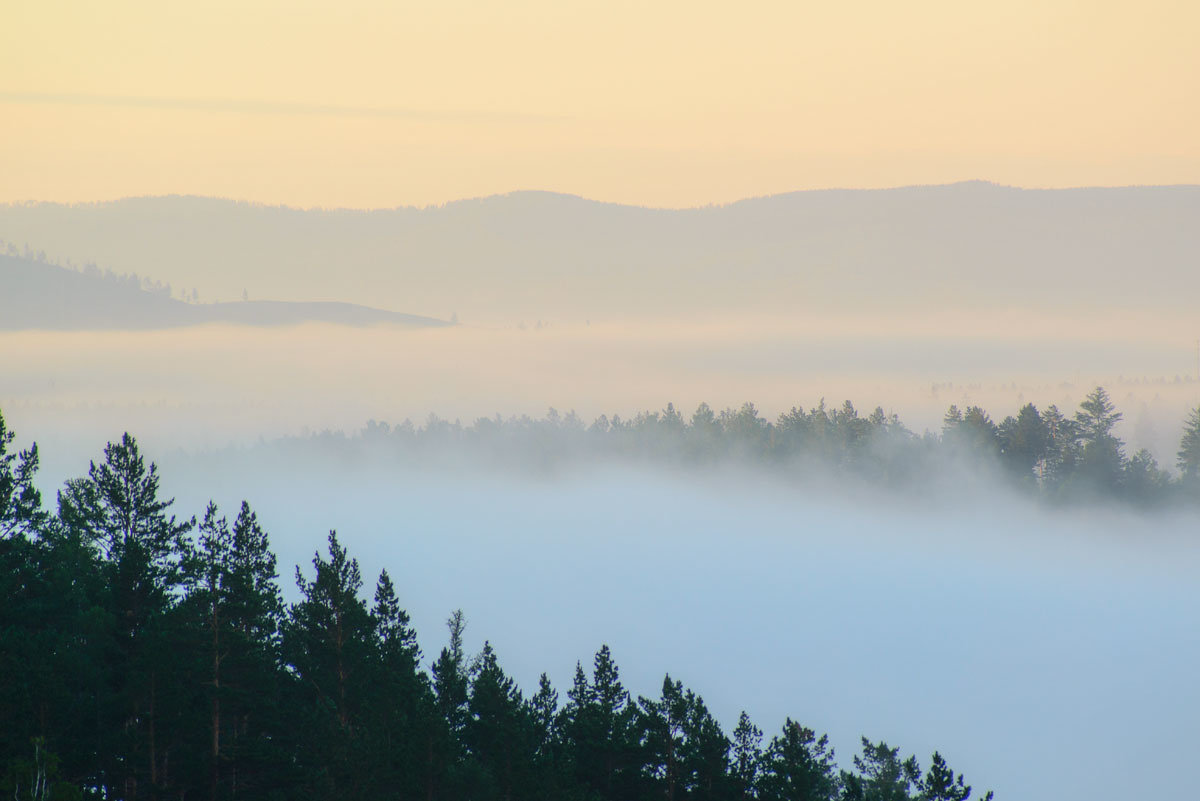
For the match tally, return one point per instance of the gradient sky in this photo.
(366, 103)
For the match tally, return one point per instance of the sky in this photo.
(1058, 619)
(372, 104)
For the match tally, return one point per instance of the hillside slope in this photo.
(34, 295)
(532, 255)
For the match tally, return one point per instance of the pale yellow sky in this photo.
(366, 103)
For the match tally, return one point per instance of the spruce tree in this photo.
(1101, 458)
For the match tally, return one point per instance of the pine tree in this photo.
(880, 775)
(1023, 441)
(235, 594)
(498, 732)
(401, 697)
(600, 727)
(21, 512)
(1142, 481)
(747, 758)
(445, 764)
(705, 753)
(798, 766)
(144, 549)
(663, 723)
(550, 781)
(1189, 449)
(329, 642)
(940, 783)
(450, 679)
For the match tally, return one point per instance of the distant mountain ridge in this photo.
(36, 295)
(528, 255)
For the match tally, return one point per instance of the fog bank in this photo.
(1049, 655)
(207, 387)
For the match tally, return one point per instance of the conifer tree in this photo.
(550, 781)
(1023, 441)
(1189, 449)
(600, 727)
(235, 594)
(445, 763)
(498, 732)
(705, 753)
(940, 783)
(144, 548)
(1062, 449)
(881, 775)
(401, 697)
(21, 512)
(747, 758)
(663, 723)
(798, 766)
(329, 641)
(450, 676)
(1101, 459)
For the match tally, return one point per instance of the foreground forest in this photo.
(148, 656)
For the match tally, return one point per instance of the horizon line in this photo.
(574, 196)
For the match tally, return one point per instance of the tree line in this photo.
(148, 656)
(1051, 454)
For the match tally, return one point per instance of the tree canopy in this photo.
(144, 655)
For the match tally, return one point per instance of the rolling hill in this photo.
(36, 295)
(537, 255)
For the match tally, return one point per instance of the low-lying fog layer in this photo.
(208, 386)
(1049, 655)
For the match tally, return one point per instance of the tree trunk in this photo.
(152, 743)
(215, 770)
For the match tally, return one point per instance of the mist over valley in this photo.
(886, 464)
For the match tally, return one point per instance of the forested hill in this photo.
(531, 255)
(38, 295)
(150, 656)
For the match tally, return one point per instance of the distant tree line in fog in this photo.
(127, 281)
(144, 656)
(1049, 453)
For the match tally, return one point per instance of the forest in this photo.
(146, 655)
(1051, 455)
(151, 655)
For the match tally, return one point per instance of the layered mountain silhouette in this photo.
(530, 255)
(36, 295)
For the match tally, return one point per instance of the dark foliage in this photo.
(147, 657)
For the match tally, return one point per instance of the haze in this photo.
(272, 240)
